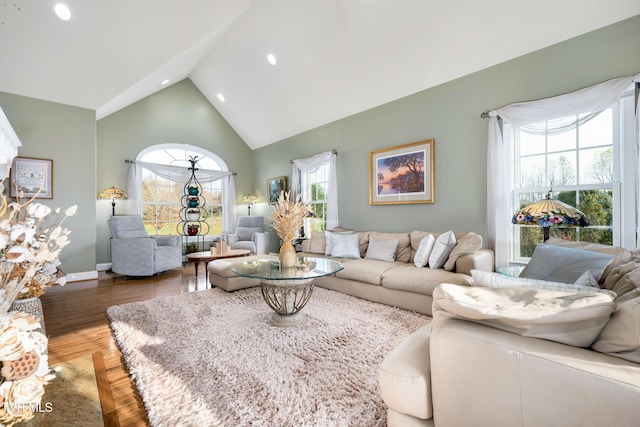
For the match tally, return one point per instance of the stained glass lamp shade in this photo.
(113, 194)
(549, 213)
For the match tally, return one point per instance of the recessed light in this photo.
(165, 81)
(221, 97)
(272, 59)
(62, 11)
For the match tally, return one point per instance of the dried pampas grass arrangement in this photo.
(288, 216)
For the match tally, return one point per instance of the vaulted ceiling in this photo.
(334, 58)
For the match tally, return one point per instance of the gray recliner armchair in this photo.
(135, 253)
(249, 234)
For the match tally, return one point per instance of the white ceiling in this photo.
(335, 57)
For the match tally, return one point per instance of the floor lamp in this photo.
(249, 200)
(549, 213)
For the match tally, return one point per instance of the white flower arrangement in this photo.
(29, 249)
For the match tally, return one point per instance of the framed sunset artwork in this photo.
(402, 174)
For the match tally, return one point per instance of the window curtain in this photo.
(9, 143)
(310, 165)
(181, 174)
(530, 117)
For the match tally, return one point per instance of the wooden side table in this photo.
(207, 257)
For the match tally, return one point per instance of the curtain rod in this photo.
(134, 162)
(333, 151)
(485, 114)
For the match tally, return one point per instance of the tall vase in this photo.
(287, 255)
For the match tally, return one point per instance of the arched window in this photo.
(161, 196)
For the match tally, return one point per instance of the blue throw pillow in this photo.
(564, 265)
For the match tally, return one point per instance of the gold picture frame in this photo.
(275, 186)
(31, 177)
(403, 174)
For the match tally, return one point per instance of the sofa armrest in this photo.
(262, 242)
(497, 378)
(405, 376)
(306, 245)
(230, 238)
(167, 240)
(479, 260)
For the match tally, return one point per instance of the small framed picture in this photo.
(31, 177)
(402, 174)
(275, 186)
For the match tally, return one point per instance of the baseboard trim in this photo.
(82, 275)
(104, 266)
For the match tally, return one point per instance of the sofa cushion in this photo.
(624, 280)
(621, 336)
(566, 265)
(365, 270)
(345, 245)
(467, 244)
(403, 251)
(569, 317)
(382, 249)
(405, 376)
(442, 249)
(405, 277)
(363, 241)
(497, 280)
(421, 258)
(317, 242)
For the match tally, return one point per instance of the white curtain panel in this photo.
(229, 203)
(311, 164)
(133, 205)
(9, 143)
(530, 117)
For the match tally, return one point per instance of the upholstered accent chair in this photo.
(135, 253)
(249, 234)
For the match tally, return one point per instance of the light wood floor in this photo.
(77, 325)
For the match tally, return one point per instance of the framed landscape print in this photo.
(29, 175)
(275, 186)
(402, 174)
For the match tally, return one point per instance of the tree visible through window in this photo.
(582, 167)
(161, 197)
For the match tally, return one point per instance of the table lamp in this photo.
(549, 213)
(113, 194)
(248, 200)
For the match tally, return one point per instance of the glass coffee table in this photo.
(287, 290)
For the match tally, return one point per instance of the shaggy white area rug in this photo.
(211, 358)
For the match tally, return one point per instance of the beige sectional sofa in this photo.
(524, 355)
(397, 281)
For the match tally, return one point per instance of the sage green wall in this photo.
(178, 114)
(66, 135)
(450, 113)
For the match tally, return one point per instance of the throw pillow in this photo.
(467, 244)
(345, 245)
(382, 249)
(621, 336)
(441, 250)
(421, 258)
(328, 236)
(497, 280)
(565, 265)
(567, 317)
